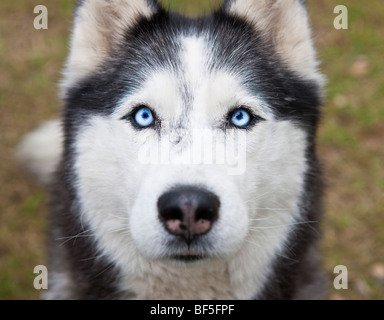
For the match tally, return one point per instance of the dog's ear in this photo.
(98, 26)
(285, 24)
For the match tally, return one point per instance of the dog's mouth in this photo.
(188, 257)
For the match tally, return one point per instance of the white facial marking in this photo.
(193, 59)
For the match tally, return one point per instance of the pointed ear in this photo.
(285, 24)
(98, 26)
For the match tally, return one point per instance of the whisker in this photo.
(258, 245)
(259, 219)
(274, 209)
(79, 235)
(105, 270)
(118, 217)
(283, 225)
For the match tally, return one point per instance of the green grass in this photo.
(350, 139)
(351, 136)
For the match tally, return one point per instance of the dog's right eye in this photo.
(144, 117)
(141, 117)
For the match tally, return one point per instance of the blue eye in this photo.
(143, 117)
(241, 118)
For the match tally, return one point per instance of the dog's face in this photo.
(190, 137)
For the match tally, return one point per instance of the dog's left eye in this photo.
(241, 118)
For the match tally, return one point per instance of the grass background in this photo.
(350, 138)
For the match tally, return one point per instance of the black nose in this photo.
(188, 211)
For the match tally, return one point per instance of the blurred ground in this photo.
(350, 138)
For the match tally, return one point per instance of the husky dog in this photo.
(137, 211)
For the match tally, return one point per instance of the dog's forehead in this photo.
(190, 67)
(194, 46)
(194, 85)
(201, 85)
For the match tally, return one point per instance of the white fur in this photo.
(40, 151)
(119, 193)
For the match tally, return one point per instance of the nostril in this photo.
(173, 219)
(172, 213)
(175, 226)
(207, 211)
(201, 226)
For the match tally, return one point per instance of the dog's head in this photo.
(190, 139)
